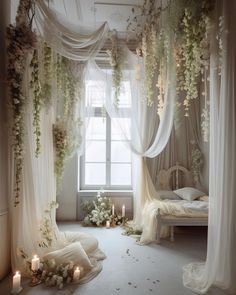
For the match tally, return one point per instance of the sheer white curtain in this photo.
(149, 132)
(38, 187)
(220, 266)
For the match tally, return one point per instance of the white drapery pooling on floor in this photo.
(38, 186)
(220, 266)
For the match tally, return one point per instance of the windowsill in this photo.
(87, 192)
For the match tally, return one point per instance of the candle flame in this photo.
(35, 256)
(77, 268)
(17, 273)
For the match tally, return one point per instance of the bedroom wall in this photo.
(4, 215)
(70, 197)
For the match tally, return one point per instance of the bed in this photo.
(172, 179)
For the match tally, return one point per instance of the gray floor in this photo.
(133, 269)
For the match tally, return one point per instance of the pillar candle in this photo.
(113, 210)
(16, 287)
(108, 224)
(35, 263)
(123, 211)
(76, 275)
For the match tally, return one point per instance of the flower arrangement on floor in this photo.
(48, 272)
(98, 211)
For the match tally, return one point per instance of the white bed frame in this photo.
(164, 179)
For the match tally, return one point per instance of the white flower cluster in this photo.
(57, 275)
(97, 211)
(47, 229)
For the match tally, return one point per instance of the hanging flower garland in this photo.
(21, 42)
(115, 57)
(186, 23)
(47, 74)
(195, 51)
(37, 99)
(196, 164)
(47, 229)
(61, 143)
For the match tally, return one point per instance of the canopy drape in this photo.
(35, 214)
(220, 266)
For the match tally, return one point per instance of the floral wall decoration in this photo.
(21, 42)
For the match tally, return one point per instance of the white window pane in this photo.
(96, 128)
(120, 128)
(95, 174)
(120, 174)
(95, 93)
(95, 151)
(120, 152)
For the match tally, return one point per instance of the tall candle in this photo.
(113, 210)
(123, 211)
(76, 274)
(16, 286)
(108, 224)
(35, 263)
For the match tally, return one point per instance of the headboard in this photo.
(173, 178)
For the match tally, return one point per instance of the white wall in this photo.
(70, 197)
(4, 217)
(67, 197)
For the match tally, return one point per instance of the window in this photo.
(107, 159)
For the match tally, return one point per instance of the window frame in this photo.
(98, 112)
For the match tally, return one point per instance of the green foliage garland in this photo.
(115, 57)
(48, 74)
(21, 42)
(37, 99)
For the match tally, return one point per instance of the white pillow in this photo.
(168, 195)
(189, 193)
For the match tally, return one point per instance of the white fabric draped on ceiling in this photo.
(220, 266)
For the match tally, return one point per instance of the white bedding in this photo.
(178, 208)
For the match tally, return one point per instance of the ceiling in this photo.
(115, 12)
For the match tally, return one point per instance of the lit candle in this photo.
(76, 275)
(35, 263)
(16, 286)
(123, 211)
(108, 224)
(113, 210)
